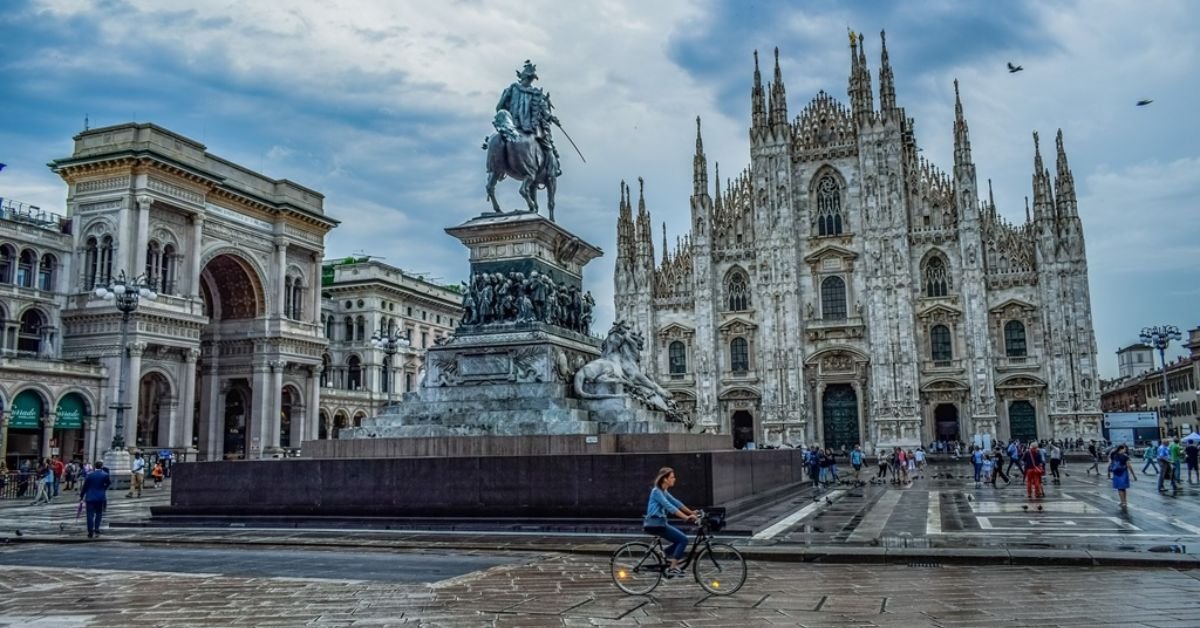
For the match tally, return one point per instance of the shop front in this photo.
(24, 439)
(67, 439)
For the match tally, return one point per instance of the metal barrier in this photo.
(17, 485)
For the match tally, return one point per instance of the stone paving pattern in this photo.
(562, 590)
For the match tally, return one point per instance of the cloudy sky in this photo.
(382, 106)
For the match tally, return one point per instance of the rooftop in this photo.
(32, 215)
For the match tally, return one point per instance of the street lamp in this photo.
(125, 294)
(389, 342)
(1160, 337)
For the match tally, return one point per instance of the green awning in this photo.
(27, 410)
(69, 415)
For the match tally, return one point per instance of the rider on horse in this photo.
(531, 114)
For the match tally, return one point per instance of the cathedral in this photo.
(843, 290)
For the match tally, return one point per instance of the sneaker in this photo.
(673, 572)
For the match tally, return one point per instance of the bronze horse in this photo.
(520, 156)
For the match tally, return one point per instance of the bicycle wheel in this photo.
(720, 569)
(636, 568)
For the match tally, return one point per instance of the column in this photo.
(312, 416)
(187, 417)
(261, 407)
(315, 286)
(272, 427)
(143, 235)
(47, 434)
(278, 275)
(133, 391)
(194, 265)
(124, 239)
(4, 436)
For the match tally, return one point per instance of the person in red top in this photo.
(58, 467)
(1031, 461)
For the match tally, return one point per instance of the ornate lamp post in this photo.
(389, 343)
(125, 295)
(1160, 337)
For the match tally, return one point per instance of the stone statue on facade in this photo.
(619, 364)
(523, 146)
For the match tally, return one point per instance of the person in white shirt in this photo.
(137, 475)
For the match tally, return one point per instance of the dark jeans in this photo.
(95, 509)
(1054, 464)
(678, 540)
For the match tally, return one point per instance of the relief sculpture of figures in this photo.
(620, 363)
(523, 145)
(499, 298)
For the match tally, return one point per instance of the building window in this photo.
(170, 261)
(360, 329)
(833, 298)
(46, 272)
(25, 268)
(29, 336)
(349, 330)
(737, 290)
(353, 373)
(1014, 339)
(327, 371)
(105, 273)
(739, 355)
(153, 263)
(8, 255)
(829, 207)
(424, 339)
(936, 279)
(328, 327)
(677, 358)
(939, 338)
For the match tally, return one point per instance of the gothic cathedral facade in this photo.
(842, 290)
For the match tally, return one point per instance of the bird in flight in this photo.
(1143, 103)
(1013, 69)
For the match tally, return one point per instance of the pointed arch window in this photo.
(46, 271)
(829, 207)
(936, 278)
(833, 298)
(1014, 339)
(737, 291)
(942, 349)
(677, 358)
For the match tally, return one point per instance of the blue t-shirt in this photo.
(856, 457)
(977, 457)
(660, 505)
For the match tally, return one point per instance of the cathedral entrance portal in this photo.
(839, 412)
(743, 429)
(1022, 421)
(945, 417)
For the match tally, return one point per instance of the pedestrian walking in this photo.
(157, 473)
(59, 468)
(1032, 463)
(883, 465)
(1056, 458)
(1191, 454)
(1165, 468)
(988, 469)
(977, 462)
(94, 494)
(45, 483)
(831, 459)
(137, 475)
(1175, 451)
(1121, 471)
(920, 455)
(1150, 455)
(1095, 454)
(856, 462)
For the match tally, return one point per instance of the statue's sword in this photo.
(564, 132)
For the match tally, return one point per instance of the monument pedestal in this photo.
(119, 464)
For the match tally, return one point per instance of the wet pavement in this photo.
(572, 590)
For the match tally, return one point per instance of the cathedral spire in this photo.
(1043, 198)
(624, 226)
(887, 85)
(991, 199)
(717, 204)
(779, 114)
(962, 135)
(758, 99)
(664, 251)
(699, 165)
(861, 100)
(1064, 183)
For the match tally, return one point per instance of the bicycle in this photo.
(637, 567)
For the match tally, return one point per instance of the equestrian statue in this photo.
(523, 145)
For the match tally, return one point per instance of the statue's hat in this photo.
(530, 70)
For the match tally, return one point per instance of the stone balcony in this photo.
(941, 366)
(835, 328)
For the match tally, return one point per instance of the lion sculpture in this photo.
(620, 363)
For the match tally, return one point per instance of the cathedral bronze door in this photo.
(839, 411)
(1022, 421)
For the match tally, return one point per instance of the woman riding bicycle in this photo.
(660, 505)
